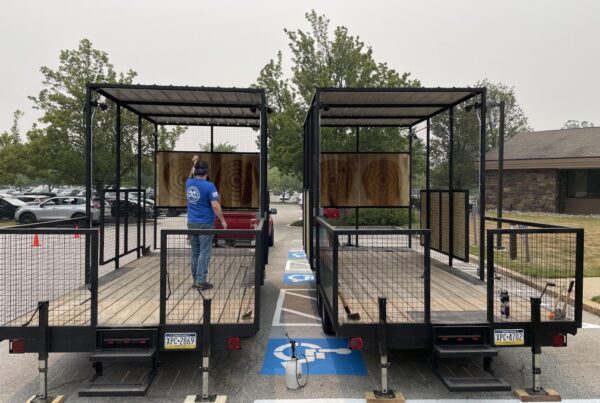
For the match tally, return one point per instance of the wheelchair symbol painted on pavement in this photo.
(311, 351)
(298, 278)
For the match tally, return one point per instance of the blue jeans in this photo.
(201, 246)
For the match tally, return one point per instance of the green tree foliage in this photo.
(12, 167)
(466, 136)
(576, 124)
(279, 182)
(57, 146)
(322, 59)
(225, 147)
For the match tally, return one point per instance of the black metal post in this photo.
(536, 347)
(206, 347)
(427, 275)
(118, 185)
(155, 230)
(410, 172)
(141, 207)
(264, 199)
(383, 352)
(356, 211)
(427, 175)
(490, 276)
(162, 315)
(500, 191)
(450, 186)
(88, 174)
(93, 278)
(579, 243)
(482, 149)
(43, 349)
(212, 138)
(335, 279)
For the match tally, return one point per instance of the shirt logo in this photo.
(193, 194)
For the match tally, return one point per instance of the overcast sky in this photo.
(548, 50)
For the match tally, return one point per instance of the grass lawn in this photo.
(591, 226)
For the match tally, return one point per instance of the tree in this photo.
(11, 149)
(57, 146)
(225, 147)
(466, 136)
(280, 183)
(319, 60)
(576, 124)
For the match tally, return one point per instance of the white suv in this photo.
(56, 208)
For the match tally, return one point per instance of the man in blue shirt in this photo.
(202, 206)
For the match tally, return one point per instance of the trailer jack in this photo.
(384, 394)
(536, 393)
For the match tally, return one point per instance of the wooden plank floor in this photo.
(131, 295)
(366, 274)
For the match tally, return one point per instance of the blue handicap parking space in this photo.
(296, 254)
(298, 278)
(323, 356)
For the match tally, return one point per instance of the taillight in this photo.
(234, 343)
(16, 346)
(559, 340)
(95, 204)
(356, 343)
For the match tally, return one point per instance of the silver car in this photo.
(56, 208)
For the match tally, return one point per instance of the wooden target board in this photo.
(439, 216)
(365, 180)
(236, 176)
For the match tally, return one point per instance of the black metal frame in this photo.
(140, 225)
(219, 331)
(61, 338)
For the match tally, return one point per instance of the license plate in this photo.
(509, 337)
(180, 341)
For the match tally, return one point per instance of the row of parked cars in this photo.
(27, 209)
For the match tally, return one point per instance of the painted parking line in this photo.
(323, 357)
(590, 326)
(297, 265)
(295, 308)
(298, 278)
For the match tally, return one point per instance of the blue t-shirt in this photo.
(199, 194)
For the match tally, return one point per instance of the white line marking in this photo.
(277, 315)
(590, 326)
(289, 266)
(300, 295)
(300, 313)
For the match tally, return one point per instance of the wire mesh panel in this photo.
(48, 264)
(232, 275)
(529, 262)
(382, 264)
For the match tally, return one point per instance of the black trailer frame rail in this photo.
(236, 273)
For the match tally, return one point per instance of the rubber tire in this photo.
(326, 323)
(27, 218)
(272, 237)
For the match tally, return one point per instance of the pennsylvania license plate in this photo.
(180, 341)
(509, 337)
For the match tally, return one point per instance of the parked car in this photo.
(237, 219)
(129, 208)
(33, 199)
(8, 207)
(55, 208)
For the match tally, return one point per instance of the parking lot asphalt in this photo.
(244, 376)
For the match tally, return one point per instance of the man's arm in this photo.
(216, 206)
(194, 159)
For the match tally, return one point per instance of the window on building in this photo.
(583, 183)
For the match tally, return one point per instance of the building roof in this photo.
(568, 148)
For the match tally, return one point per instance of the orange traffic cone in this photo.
(36, 240)
(76, 234)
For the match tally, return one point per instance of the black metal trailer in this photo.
(134, 300)
(381, 280)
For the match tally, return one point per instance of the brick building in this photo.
(548, 171)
